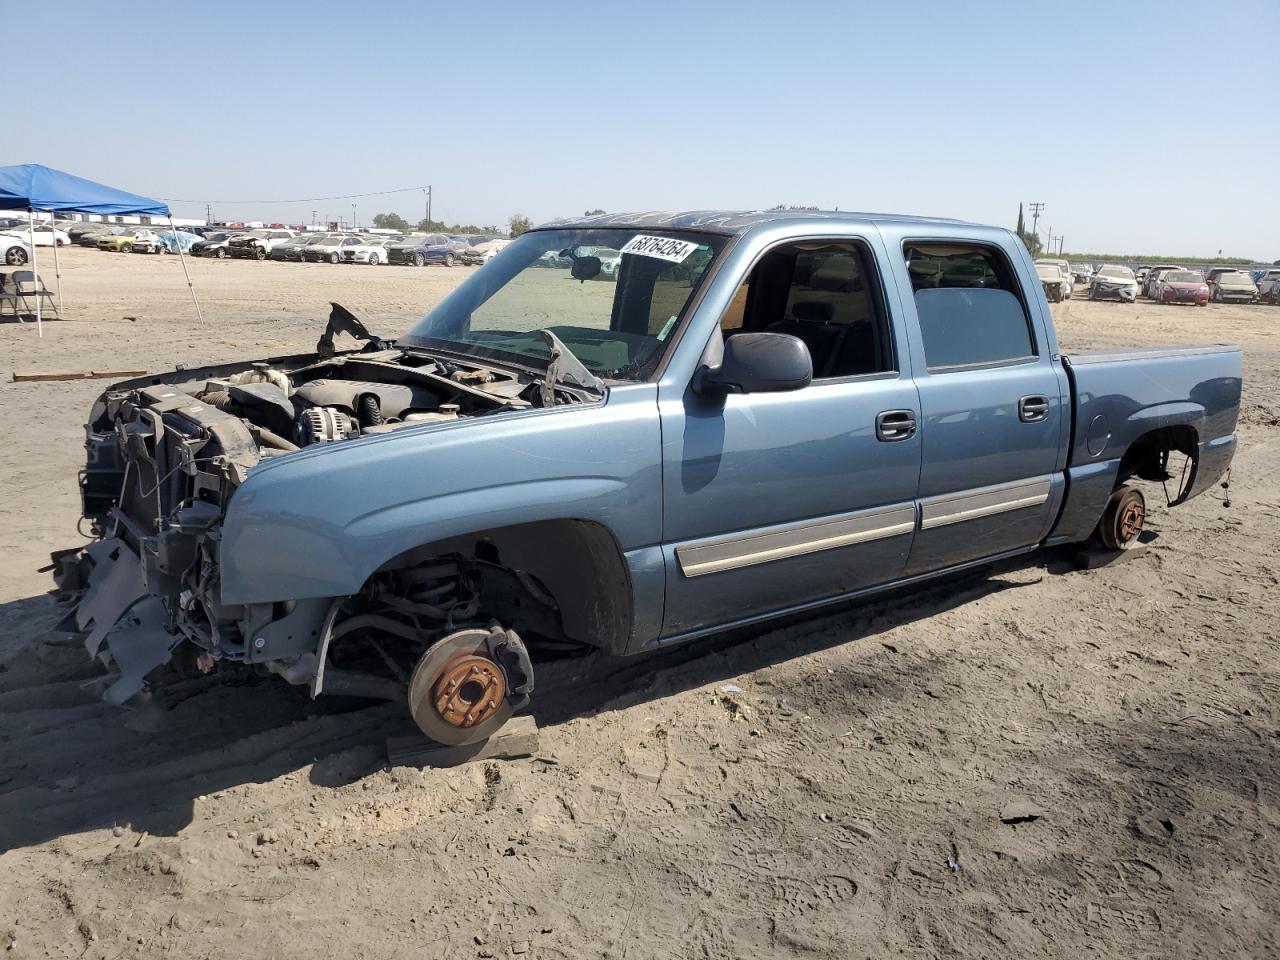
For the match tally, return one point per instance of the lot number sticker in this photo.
(661, 248)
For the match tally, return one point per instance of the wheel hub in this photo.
(457, 693)
(1130, 521)
(468, 691)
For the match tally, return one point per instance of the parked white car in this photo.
(370, 250)
(490, 248)
(329, 248)
(44, 235)
(257, 244)
(1052, 280)
(1113, 281)
(148, 241)
(1064, 269)
(14, 251)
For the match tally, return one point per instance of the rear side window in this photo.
(970, 305)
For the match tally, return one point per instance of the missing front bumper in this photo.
(125, 627)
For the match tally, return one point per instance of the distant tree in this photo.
(439, 226)
(594, 213)
(1032, 241)
(390, 221)
(519, 224)
(1022, 225)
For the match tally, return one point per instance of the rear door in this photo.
(993, 397)
(778, 500)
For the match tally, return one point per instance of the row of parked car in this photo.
(259, 244)
(345, 247)
(1170, 283)
(1163, 283)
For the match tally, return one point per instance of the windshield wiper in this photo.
(564, 367)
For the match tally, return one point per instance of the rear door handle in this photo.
(1033, 408)
(893, 425)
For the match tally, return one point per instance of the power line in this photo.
(1035, 215)
(345, 196)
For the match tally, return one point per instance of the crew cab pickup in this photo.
(754, 414)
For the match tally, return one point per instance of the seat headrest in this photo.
(836, 276)
(813, 311)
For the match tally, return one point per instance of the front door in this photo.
(775, 501)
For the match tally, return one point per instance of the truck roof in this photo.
(732, 222)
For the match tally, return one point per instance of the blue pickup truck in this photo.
(749, 415)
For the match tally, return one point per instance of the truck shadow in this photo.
(69, 762)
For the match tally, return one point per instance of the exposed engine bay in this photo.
(166, 454)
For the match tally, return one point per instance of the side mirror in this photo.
(585, 268)
(758, 363)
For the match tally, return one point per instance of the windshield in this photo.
(1047, 271)
(1236, 276)
(618, 322)
(1184, 276)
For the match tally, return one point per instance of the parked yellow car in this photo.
(120, 243)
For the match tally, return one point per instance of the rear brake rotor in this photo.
(457, 694)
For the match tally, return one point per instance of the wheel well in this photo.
(572, 569)
(1148, 457)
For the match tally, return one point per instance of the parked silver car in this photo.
(1233, 286)
(1269, 286)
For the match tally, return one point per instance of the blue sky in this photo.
(1142, 127)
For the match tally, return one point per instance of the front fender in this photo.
(317, 523)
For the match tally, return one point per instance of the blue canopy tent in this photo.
(32, 187)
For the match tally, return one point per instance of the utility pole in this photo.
(313, 218)
(1060, 239)
(1035, 215)
(207, 215)
(1048, 243)
(427, 192)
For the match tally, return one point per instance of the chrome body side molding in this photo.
(983, 502)
(750, 547)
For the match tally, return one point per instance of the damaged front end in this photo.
(1124, 291)
(165, 456)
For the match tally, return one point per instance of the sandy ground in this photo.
(845, 801)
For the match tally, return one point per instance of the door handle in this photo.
(893, 425)
(1033, 408)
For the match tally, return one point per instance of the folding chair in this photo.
(9, 297)
(26, 284)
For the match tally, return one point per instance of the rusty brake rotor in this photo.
(457, 693)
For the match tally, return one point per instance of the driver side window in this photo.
(826, 294)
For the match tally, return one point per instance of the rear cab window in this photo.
(970, 305)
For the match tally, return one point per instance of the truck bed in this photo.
(1121, 396)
